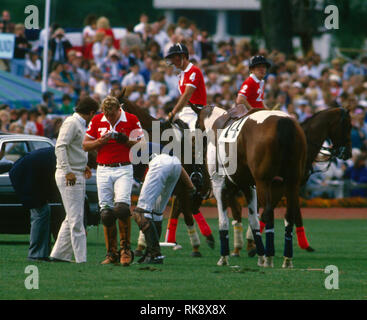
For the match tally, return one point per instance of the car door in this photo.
(13, 217)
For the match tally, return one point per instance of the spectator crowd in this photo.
(300, 86)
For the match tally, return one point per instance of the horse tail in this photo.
(286, 132)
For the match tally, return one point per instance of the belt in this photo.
(114, 165)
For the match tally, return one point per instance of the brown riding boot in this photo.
(126, 255)
(110, 236)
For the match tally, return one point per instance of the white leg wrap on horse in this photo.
(194, 237)
(269, 262)
(249, 235)
(218, 185)
(253, 215)
(287, 263)
(141, 239)
(238, 234)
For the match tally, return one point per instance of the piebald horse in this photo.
(270, 158)
(197, 173)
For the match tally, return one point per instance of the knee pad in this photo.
(121, 211)
(107, 216)
(142, 222)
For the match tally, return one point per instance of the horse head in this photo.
(339, 134)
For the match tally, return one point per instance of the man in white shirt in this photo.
(139, 28)
(133, 78)
(171, 80)
(71, 172)
(161, 35)
(103, 87)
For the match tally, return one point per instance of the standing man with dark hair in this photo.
(32, 177)
(112, 133)
(59, 46)
(71, 172)
(191, 85)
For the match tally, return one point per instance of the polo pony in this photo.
(332, 124)
(270, 158)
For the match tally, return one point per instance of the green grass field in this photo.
(342, 243)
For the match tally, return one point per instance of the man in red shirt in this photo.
(251, 94)
(191, 85)
(112, 133)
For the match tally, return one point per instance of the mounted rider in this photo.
(250, 96)
(191, 85)
(251, 93)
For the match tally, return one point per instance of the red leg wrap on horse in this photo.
(301, 237)
(171, 230)
(203, 225)
(262, 226)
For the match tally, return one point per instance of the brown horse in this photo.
(270, 157)
(197, 173)
(331, 124)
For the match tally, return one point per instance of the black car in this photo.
(14, 218)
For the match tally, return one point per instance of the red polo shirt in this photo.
(253, 89)
(193, 77)
(114, 152)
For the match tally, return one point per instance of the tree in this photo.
(305, 22)
(351, 34)
(276, 17)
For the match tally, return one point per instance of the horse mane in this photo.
(133, 108)
(306, 122)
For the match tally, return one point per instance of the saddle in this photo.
(233, 115)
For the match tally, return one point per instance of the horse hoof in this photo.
(177, 247)
(196, 254)
(260, 261)
(223, 261)
(210, 241)
(310, 249)
(235, 255)
(287, 263)
(252, 253)
(269, 262)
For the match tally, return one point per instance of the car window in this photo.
(40, 144)
(12, 151)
